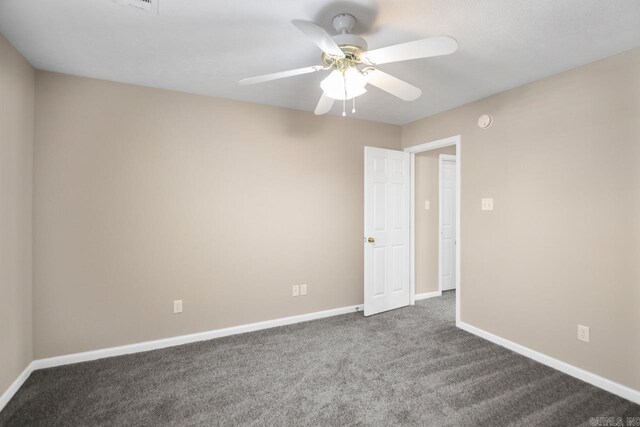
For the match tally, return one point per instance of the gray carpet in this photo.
(410, 366)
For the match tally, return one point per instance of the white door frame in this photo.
(440, 143)
(442, 158)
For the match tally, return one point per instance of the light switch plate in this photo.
(487, 204)
(295, 290)
(427, 205)
(303, 289)
(177, 306)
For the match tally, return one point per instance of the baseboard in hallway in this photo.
(427, 295)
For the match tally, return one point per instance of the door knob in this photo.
(371, 240)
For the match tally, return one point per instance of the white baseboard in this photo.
(586, 376)
(13, 388)
(186, 339)
(427, 295)
(163, 343)
(589, 377)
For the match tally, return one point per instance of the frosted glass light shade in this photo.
(334, 84)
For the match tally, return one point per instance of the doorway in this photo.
(454, 244)
(389, 226)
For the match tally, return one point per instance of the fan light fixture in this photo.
(353, 66)
(344, 85)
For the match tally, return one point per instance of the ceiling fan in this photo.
(352, 65)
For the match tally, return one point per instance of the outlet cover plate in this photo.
(583, 333)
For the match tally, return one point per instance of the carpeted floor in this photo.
(410, 366)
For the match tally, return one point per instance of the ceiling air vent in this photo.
(146, 5)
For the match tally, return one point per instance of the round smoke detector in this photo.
(484, 121)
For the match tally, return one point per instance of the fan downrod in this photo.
(344, 23)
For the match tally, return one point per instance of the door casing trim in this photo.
(413, 150)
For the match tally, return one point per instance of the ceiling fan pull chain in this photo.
(344, 101)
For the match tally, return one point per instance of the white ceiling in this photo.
(206, 46)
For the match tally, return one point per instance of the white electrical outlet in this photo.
(177, 306)
(295, 290)
(427, 205)
(487, 204)
(303, 289)
(583, 333)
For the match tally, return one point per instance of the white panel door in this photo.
(386, 227)
(448, 222)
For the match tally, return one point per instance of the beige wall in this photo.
(562, 246)
(426, 221)
(16, 184)
(143, 196)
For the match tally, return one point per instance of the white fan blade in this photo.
(433, 46)
(319, 36)
(393, 85)
(324, 105)
(280, 75)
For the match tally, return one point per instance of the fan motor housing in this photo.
(351, 58)
(350, 40)
(352, 46)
